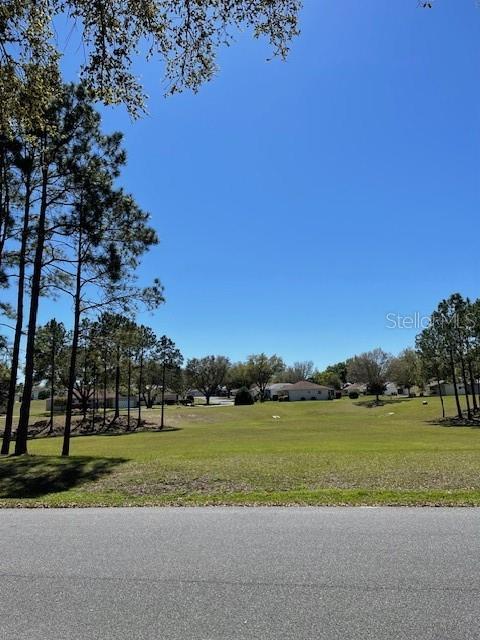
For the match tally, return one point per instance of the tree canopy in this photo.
(184, 35)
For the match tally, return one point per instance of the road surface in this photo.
(240, 573)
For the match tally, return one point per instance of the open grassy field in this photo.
(339, 452)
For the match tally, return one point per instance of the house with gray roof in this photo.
(305, 390)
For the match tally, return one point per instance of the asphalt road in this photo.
(221, 574)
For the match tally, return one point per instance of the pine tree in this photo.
(50, 352)
(169, 357)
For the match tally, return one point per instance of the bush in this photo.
(353, 395)
(243, 397)
(44, 394)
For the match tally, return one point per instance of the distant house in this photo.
(391, 389)
(170, 397)
(60, 403)
(447, 388)
(306, 391)
(195, 393)
(274, 390)
(357, 387)
(37, 390)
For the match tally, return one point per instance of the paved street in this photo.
(244, 573)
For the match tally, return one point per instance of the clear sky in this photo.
(299, 203)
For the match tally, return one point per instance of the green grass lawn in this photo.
(317, 453)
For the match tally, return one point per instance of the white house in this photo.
(37, 390)
(391, 389)
(60, 403)
(273, 391)
(306, 391)
(447, 388)
(357, 387)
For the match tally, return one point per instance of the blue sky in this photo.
(299, 203)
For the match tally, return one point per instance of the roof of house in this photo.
(304, 384)
(351, 386)
(279, 386)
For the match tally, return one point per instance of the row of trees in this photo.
(209, 373)
(66, 229)
(116, 357)
(449, 349)
(258, 370)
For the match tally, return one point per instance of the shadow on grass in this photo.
(369, 403)
(40, 429)
(454, 421)
(34, 476)
(128, 433)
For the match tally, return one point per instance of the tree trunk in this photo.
(94, 396)
(472, 386)
(440, 394)
(85, 400)
(455, 388)
(52, 382)
(5, 217)
(105, 391)
(22, 429)
(140, 385)
(163, 395)
(129, 389)
(207, 398)
(147, 398)
(117, 386)
(7, 433)
(73, 353)
(84, 389)
(465, 385)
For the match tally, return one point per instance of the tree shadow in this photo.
(34, 476)
(455, 421)
(369, 404)
(116, 426)
(129, 433)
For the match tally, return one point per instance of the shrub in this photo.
(44, 394)
(353, 395)
(243, 397)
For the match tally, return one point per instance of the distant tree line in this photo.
(446, 351)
